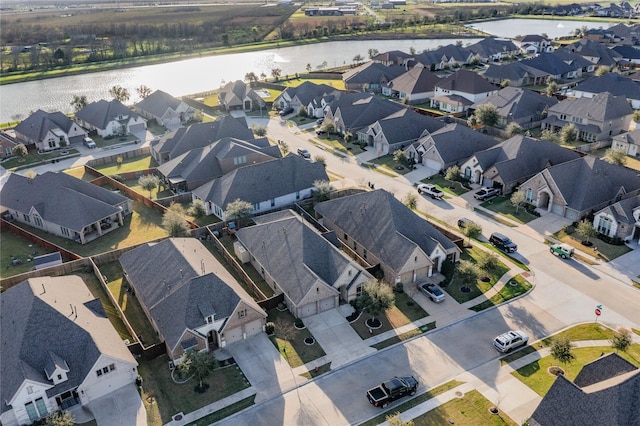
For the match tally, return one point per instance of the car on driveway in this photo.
(432, 291)
(285, 111)
(88, 142)
(510, 340)
(486, 193)
(304, 153)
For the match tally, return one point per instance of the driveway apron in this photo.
(120, 408)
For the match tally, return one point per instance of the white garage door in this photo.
(253, 328)
(328, 303)
(432, 164)
(233, 335)
(137, 128)
(309, 309)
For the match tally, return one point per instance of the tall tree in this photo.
(276, 73)
(143, 91)
(585, 229)
(487, 115)
(238, 210)
(376, 298)
(78, 102)
(568, 134)
(120, 93)
(372, 53)
(251, 77)
(200, 365)
(173, 221)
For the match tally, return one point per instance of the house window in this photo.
(98, 373)
(242, 313)
(65, 231)
(563, 116)
(112, 367)
(41, 406)
(346, 237)
(31, 411)
(273, 202)
(604, 225)
(256, 206)
(297, 195)
(209, 319)
(355, 246)
(359, 291)
(105, 370)
(29, 389)
(37, 221)
(240, 160)
(59, 376)
(26, 218)
(528, 195)
(364, 254)
(51, 143)
(415, 259)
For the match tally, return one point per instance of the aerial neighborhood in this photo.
(397, 216)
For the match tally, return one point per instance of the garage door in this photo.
(307, 310)
(432, 164)
(253, 328)
(137, 128)
(233, 335)
(328, 303)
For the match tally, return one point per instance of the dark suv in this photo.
(503, 243)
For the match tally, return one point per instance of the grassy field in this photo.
(290, 341)
(479, 287)
(163, 397)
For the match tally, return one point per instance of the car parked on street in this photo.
(392, 389)
(304, 153)
(562, 250)
(430, 190)
(503, 243)
(432, 291)
(510, 340)
(486, 193)
(463, 222)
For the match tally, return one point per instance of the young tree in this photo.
(120, 93)
(174, 223)
(400, 156)
(302, 111)
(238, 210)
(200, 365)
(549, 135)
(472, 122)
(322, 189)
(197, 208)
(561, 350)
(411, 201)
(471, 230)
(552, 87)
(518, 198)
(468, 272)
(487, 261)
(60, 418)
(79, 102)
(453, 173)
(251, 77)
(20, 150)
(284, 148)
(309, 68)
(487, 115)
(615, 156)
(372, 53)
(621, 341)
(568, 135)
(376, 297)
(149, 182)
(513, 129)
(636, 116)
(143, 91)
(259, 130)
(357, 59)
(602, 70)
(585, 229)
(276, 73)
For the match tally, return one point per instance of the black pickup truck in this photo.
(391, 390)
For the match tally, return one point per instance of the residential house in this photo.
(236, 95)
(514, 161)
(534, 44)
(198, 135)
(63, 205)
(392, 57)
(629, 142)
(612, 83)
(166, 110)
(350, 117)
(582, 66)
(524, 107)
(190, 299)
(303, 95)
(296, 260)
(597, 118)
(620, 220)
(454, 56)
(414, 86)
(516, 74)
(428, 59)
(270, 185)
(448, 146)
(594, 52)
(624, 35)
(7, 143)
(48, 130)
(604, 392)
(492, 49)
(397, 130)
(59, 350)
(461, 90)
(411, 250)
(628, 53)
(198, 166)
(110, 118)
(552, 65)
(575, 188)
(370, 76)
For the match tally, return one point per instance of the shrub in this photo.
(616, 241)
(298, 323)
(281, 306)
(269, 328)
(399, 288)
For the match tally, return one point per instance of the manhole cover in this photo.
(459, 394)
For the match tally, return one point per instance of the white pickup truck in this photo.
(430, 190)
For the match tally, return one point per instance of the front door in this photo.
(67, 399)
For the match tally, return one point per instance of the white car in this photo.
(432, 291)
(510, 340)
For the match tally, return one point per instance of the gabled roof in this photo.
(202, 134)
(549, 63)
(572, 59)
(517, 102)
(407, 125)
(587, 182)
(611, 82)
(455, 142)
(513, 71)
(602, 107)
(308, 91)
(102, 112)
(532, 38)
(263, 181)
(593, 49)
(467, 82)
(372, 72)
(604, 368)
(367, 216)
(627, 52)
(177, 276)
(235, 92)
(426, 58)
(297, 257)
(416, 80)
(364, 112)
(491, 46)
(39, 330)
(395, 56)
(158, 103)
(60, 199)
(632, 137)
(36, 126)
(622, 211)
(455, 52)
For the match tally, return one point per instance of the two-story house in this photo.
(461, 90)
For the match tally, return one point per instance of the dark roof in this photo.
(296, 256)
(467, 82)
(372, 72)
(202, 134)
(517, 102)
(549, 63)
(455, 143)
(572, 58)
(60, 199)
(627, 52)
(263, 181)
(602, 107)
(611, 82)
(366, 111)
(426, 58)
(622, 211)
(407, 125)
(603, 368)
(455, 52)
(513, 71)
(632, 137)
(593, 49)
(39, 332)
(102, 112)
(416, 80)
(308, 91)
(368, 215)
(491, 46)
(395, 56)
(36, 126)
(158, 103)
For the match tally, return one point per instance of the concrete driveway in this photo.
(120, 408)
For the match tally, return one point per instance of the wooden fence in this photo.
(67, 255)
(139, 152)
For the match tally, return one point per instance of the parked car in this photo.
(391, 390)
(88, 142)
(304, 153)
(432, 291)
(320, 120)
(486, 193)
(510, 340)
(463, 222)
(562, 250)
(321, 132)
(503, 243)
(285, 111)
(430, 190)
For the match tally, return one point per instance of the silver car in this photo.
(432, 291)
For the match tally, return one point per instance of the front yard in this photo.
(386, 162)
(463, 292)
(502, 205)
(34, 159)
(599, 249)
(290, 341)
(515, 287)
(450, 187)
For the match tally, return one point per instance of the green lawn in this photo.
(405, 336)
(34, 159)
(340, 144)
(470, 409)
(128, 165)
(15, 247)
(79, 173)
(290, 341)
(536, 376)
(337, 84)
(604, 250)
(479, 287)
(387, 162)
(225, 412)
(503, 205)
(453, 188)
(163, 397)
(506, 293)
(107, 142)
(155, 194)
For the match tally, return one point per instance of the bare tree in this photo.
(120, 93)
(143, 91)
(78, 102)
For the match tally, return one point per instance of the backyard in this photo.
(290, 340)
(15, 247)
(133, 164)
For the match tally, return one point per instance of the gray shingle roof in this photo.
(613, 83)
(367, 216)
(372, 72)
(592, 49)
(102, 112)
(395, 56)
(603, 368)
(407, 125)
(39, 330)
(452, 51)
(490, 46)
(295, 255)
(308, 91)
(513, 71)
(602, 107)
(416, 80)
(549, 63)
(467, 82)
(622, 211)
(627, 52)
(158, 103)
(60, 199)
(263, 181)
(518, 103)
(364, 112)
(36, 126)
(456, 143)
